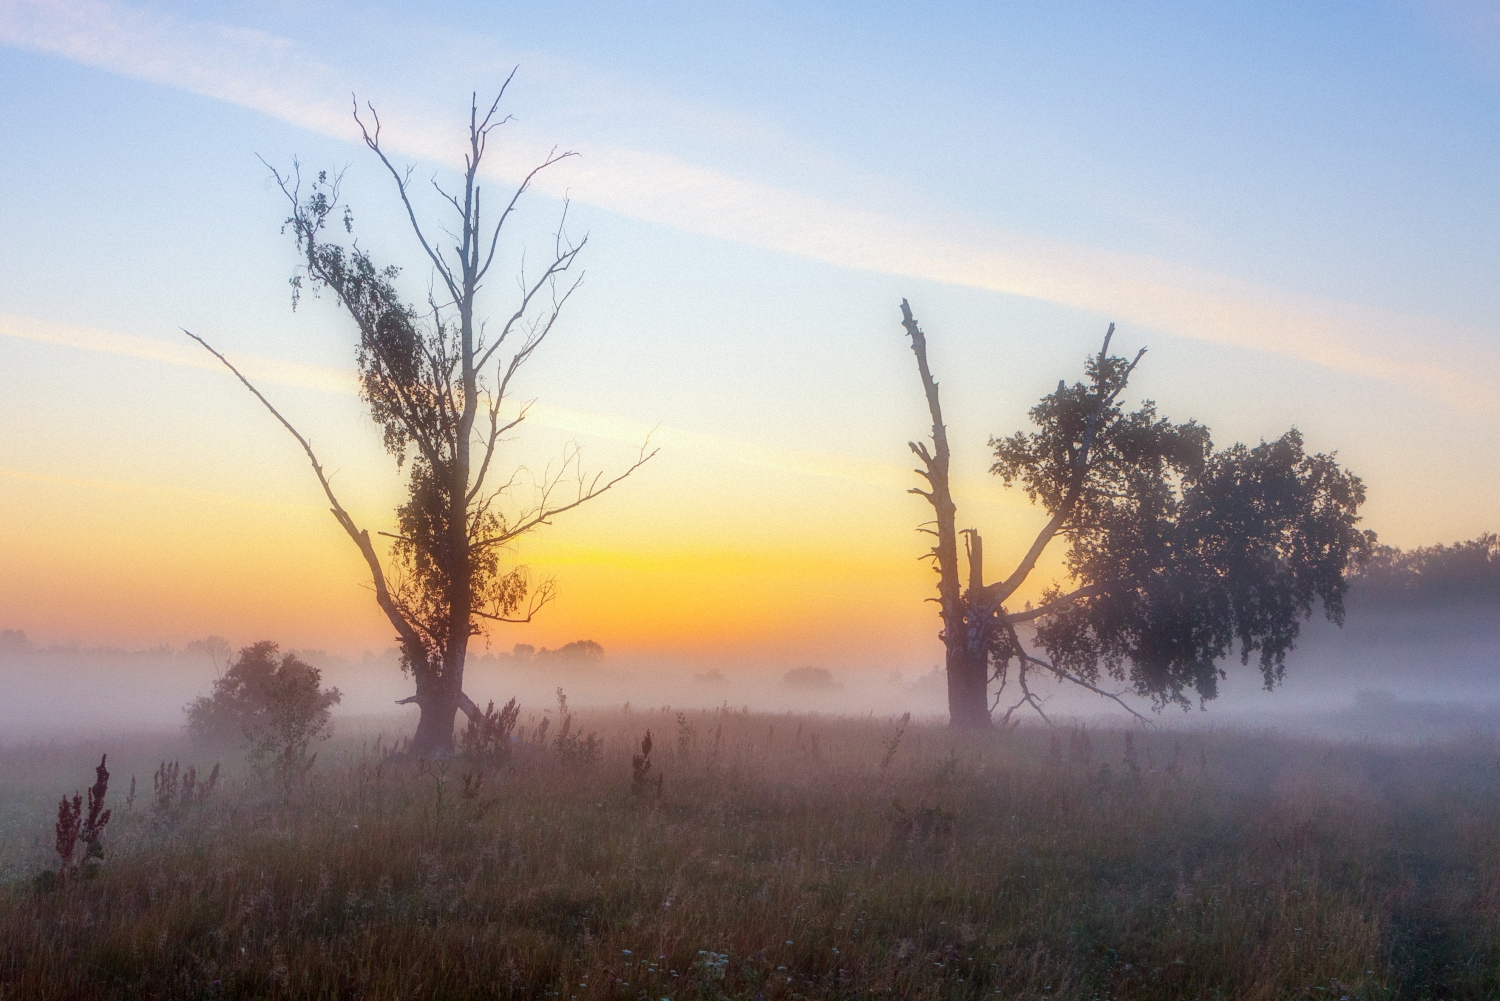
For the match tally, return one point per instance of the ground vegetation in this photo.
(902, 859)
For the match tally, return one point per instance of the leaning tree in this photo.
(1177, 552)
(437, 381)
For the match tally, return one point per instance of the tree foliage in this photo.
(1179, 554)
(1191, 550)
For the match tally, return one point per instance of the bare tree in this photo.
(1176, 551)
(437, 381)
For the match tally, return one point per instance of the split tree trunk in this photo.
(969, 651)
(965, 636)
(440, 700)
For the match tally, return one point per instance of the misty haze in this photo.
(960, 501)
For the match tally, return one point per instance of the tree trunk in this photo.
(968, 677)
(434, 738)
(968, 647)
(967, 652)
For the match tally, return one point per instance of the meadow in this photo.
(769, 856)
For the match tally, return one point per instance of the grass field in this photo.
(782, 857)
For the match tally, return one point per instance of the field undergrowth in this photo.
(781, 857)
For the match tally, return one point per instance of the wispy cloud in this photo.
(270, 371)
(151, 490)
(1437, 358)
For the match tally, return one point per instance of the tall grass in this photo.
(790, 857)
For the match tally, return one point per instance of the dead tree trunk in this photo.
(979, 637)
(965, 636)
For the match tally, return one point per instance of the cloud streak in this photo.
(605, 426)
(276, 77)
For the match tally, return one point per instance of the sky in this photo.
(1293, 206)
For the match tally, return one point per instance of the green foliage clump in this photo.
(274, 703)
(1184, 551)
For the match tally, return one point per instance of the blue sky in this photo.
(1293, 205)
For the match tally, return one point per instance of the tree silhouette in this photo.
(1177, 552)
(436, 381)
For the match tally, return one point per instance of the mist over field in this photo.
(1392, 672)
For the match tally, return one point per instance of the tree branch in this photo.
(541, 598)
(1078, 474)
(553, 157)
(360, 536)
(1028, 697)
(373, 141)
(1058, 604)
(1113, 696)
(543, 514)
(940, 496)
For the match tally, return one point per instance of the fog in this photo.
(1391, 673)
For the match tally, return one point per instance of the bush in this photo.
(488, 737)
(275, 704)
(813, 679)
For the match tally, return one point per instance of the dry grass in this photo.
(785, 857)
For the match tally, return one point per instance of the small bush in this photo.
(488, 737)
(275, 704)
(174, 790)
(641, 779)
(811, 679)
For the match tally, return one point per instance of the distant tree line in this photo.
(579, 650)
(1465, 574)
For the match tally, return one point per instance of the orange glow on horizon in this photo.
(111, 564)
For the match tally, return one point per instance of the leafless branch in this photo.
(1112, 696)
(360, 536)
(402, 185)
(544, 513)
(559, 265)
(553, 157)
(1028, 697)
(492, 440)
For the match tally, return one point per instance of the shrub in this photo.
(275, 704)
(574, 747)
(813, 679)
(488, 737)
(174, 790)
